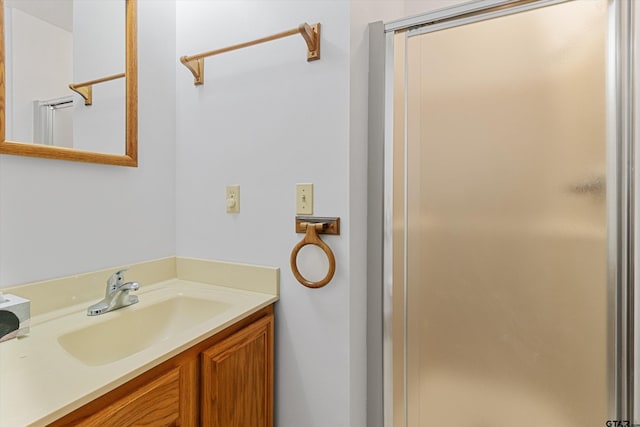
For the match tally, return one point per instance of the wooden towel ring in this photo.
(311, 238)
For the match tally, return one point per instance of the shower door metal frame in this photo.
(622, 123)
(44, 114)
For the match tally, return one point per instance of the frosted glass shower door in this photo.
(506, 287)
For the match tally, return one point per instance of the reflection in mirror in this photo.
(50, 46)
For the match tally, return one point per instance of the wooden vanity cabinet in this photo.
(224, 381)
(237, 378)
(162, 401)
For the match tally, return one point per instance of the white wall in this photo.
(59, 218)
(99, 29)
(266, 119)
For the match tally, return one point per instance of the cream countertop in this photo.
(40, 382)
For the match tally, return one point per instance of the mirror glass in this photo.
(70, 80)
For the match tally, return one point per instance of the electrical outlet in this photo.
(233, 199)
(304, 199)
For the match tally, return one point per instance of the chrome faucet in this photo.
(116, 295)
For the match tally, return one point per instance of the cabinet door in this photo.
(237, 378)
(163, 401)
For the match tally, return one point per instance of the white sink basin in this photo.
(121, 333)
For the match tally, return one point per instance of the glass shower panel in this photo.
(506, 316)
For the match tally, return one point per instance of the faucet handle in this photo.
(116, 280)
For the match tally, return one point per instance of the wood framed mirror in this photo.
(98, 103)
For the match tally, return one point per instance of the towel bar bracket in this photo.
(311, 35)
(86, 92)
(330, 225)
(196, 66)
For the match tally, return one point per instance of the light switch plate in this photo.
(304, 199)
(233, 199)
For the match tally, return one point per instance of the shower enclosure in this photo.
(53, 122)
(508, 216)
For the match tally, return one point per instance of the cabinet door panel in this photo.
(237, 378)
(165, 401)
